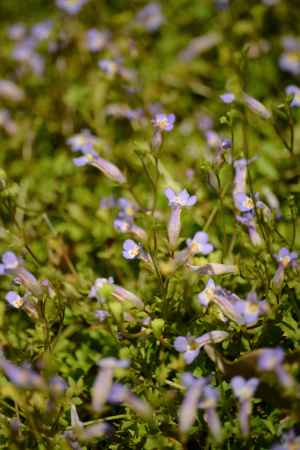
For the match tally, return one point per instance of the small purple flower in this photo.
(244, 391)
(109, 66)
(285, 259)
(180, 199)
(244, 203)
(190, 346)
(150, 17)
(83, 141)
(257, 107)
(14, 299)
(96, 40)
(131, 249)
(22, 377)
(289, 441)
(212, 138)
(199, 244)
(247, 219)
(209, 401)
(289, 61)
(98, 286)
(103, 286)
(164, 122)
(188, 410)
(90, 157)
(212, 269)
(121, 394)
(295, 91)
(177, 201)
(125, 224)
(227, 97)
(207, 295)
(240, 177)
(42, 30)
(251, 309)
(271, 360)
(104, 380)
(102, 315)
(71, 6)
(57, 385)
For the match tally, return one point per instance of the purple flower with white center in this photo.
(164, 122)
(125, 224)
(10, 262)
(285, 259)
(12, 265)
(289, 61)
(188, 409)
(150, 17)
(244, 203)
(70, 6)
(177, 201)
(199, 244)
(227, 97)
(83, 141)
(14, 299)
(244, 391)
(209, 401)
(251, 309)
(180, 199)
(207, 295)
(131, 249)
(104, 380)
(190, 346)
(289, 441)
(127, 207)
(271, 360)
(92, 158)
(257, 107)
(96, 40)
(226, 301)
(109, 66)
(295, 91)
(42, 30)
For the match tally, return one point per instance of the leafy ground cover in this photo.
(149, 191)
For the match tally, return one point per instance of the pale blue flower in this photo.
(150, 17)
(227, 97)
(164, 122)
(71, 6)
(199, 244)
(295, 91)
